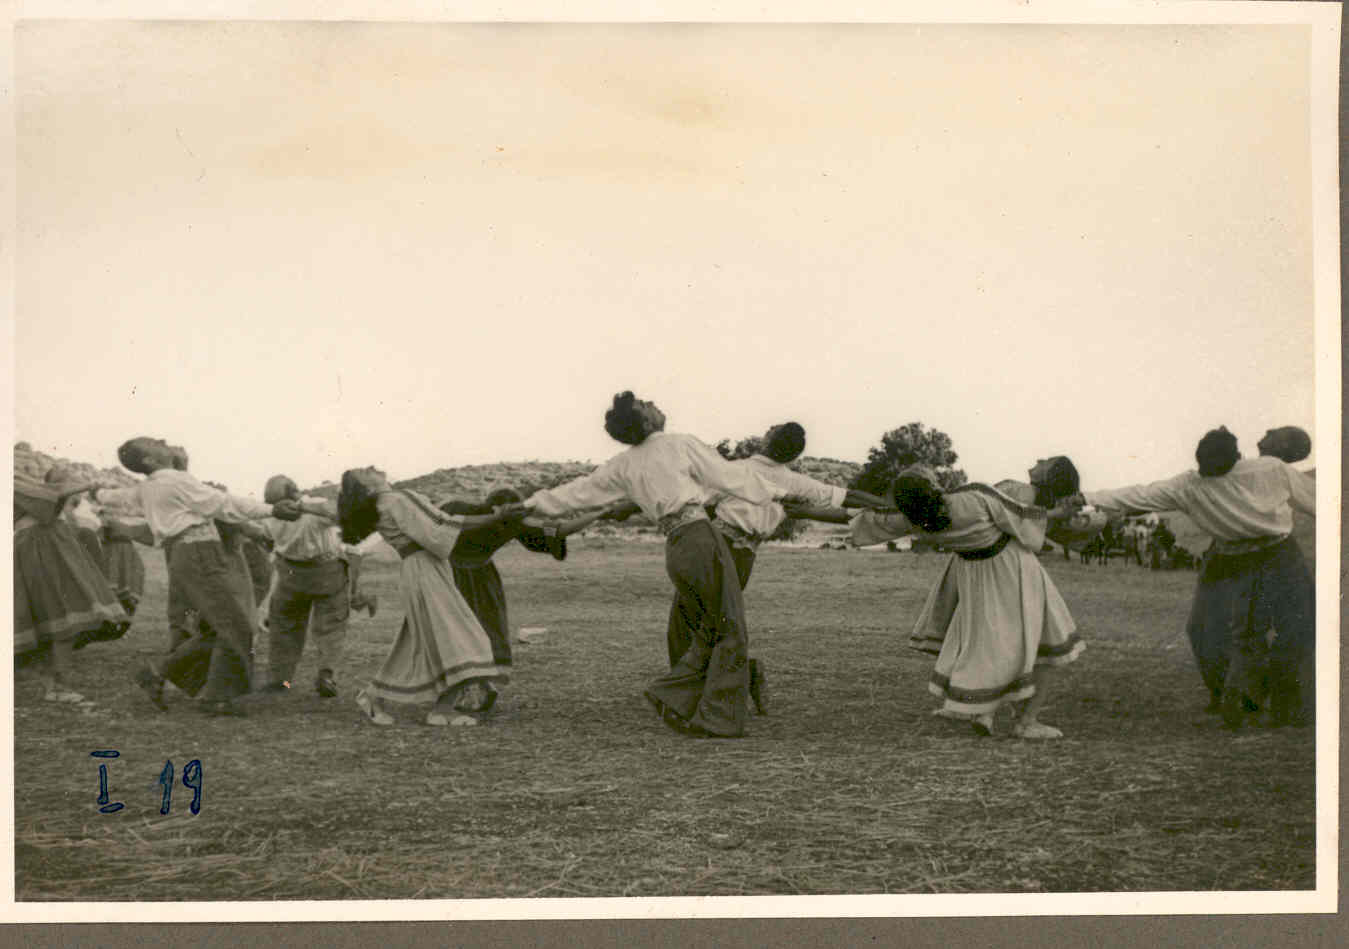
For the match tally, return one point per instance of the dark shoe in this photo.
(224, 708)
(152, 684)
(274, 688)
(488, 700)
(757, 678)
(326, 687)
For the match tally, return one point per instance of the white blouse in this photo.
(664, 474)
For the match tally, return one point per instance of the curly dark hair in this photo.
(1061, 482)
(132, 453)
(356, 511)
(1216, 452)
(623, 422)
(921, 502)
(787, 443)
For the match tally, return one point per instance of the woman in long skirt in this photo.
(478, 579)
(670, 477)
(78, 514)
(1255, 599)
(122, 563)
(994, 618)
(442, 647)
(61, 600)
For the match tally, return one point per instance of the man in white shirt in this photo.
(1254, 574)
(181, 513)
(312, 589)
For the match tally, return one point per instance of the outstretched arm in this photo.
(813, 512)
(568, 527)
(1165, 495)
(599, 488)
(857, 498)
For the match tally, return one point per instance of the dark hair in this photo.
(131, 453)
(1216, 452)
(1060, 482)
(623, 422)
(1290, 444)
(356, 511)
(787, 443)
(503, 496)
(921, 502)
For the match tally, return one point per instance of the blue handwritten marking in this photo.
(166, 779)
(106, 807)
(192, 779)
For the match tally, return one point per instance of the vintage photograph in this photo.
(616, 461)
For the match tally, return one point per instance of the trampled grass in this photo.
(573, 787)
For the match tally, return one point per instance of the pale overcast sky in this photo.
(303, 247)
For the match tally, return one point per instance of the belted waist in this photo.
(736, 536)
(1247, 545)
(407, 548)
(687, 514)
(986, 553)
(313, 562)
(196, 534)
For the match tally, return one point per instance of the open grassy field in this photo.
(574, 788)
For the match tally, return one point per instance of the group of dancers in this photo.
(994, 619)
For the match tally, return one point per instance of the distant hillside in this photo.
(477, 481)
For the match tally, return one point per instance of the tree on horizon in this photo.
(911, 444)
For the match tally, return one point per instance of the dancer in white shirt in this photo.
(181, 513)
(671, 477)
(1246, 506)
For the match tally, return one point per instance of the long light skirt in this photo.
(441, 645)
(59, 592)
(990, 622)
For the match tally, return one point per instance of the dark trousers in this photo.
(708, 686)
(677, 632)
(208, 580)
(1266, 602)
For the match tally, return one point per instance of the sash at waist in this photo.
(406, 549)
(986, 553)
(313, 562)
(687, 514)
(194, 535)
(736, 536)
(1247, 545)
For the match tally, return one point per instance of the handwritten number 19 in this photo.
(191, 779)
